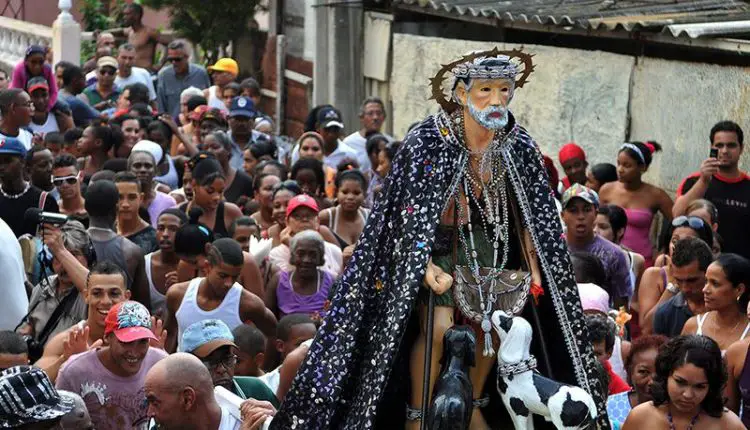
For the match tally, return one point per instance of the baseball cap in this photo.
(301, 200)
(13, 146)
(581, 192)
(107, 61)
(214, 114)
(204, 337)
(225, 65)
(196, 114)
(329, 117)
(29, 397)
(35, 83)
(129, 321)
(243, 106)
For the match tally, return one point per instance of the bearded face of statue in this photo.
(487, 101)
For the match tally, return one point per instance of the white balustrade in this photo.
(16, 36)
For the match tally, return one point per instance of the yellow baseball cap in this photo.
(225, 65)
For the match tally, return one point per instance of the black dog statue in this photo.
(452, 402)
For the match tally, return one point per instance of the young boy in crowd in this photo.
(293, 330)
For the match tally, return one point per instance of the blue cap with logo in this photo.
(330, 117)
(243, 106)
(13, 146)
(204, 337)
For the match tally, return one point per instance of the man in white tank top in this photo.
(222, 73)
(217, 296)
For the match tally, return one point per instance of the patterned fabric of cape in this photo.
(342, 380)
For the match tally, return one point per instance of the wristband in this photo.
(672, 288)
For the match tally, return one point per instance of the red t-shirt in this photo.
(616, 384)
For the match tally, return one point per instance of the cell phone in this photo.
(713, 153)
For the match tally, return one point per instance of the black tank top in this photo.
(219, 229)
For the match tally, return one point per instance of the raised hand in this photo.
(157, 326)
(170, 278)
(78, 342)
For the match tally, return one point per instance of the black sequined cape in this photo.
(342, 381)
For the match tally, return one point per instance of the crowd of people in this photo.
(197, 251)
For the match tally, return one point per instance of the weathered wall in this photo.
(594, 98)
(677, 103)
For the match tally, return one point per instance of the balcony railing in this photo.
(16, 36)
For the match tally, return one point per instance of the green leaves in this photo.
(212, 25)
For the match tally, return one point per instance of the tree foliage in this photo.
(211, 24)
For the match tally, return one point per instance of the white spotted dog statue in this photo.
(525, 391)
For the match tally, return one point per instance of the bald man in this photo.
(180, 395)
(78, 418)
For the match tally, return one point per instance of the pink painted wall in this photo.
(44, 12)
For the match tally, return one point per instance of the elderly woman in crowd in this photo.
(304, 287)
(641, 369)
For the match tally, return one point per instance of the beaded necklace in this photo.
(689, 427)
(15, 196)
(494, 225)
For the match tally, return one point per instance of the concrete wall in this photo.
(594, 98)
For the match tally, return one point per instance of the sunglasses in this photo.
(693, 222)
(70, 180)
(109, 72)
(174, 59)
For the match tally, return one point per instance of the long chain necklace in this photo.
(689, 427)
(15, 196)
(494, 226)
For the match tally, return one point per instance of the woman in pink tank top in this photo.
(640, 200)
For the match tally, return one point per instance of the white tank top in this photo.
(214, 101)
(702, 318)
(618, 366)
(157, 299)
(189, 312)
(49, 126)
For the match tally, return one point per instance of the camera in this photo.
(36, 350)
(36, 216)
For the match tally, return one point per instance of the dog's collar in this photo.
(516, 368)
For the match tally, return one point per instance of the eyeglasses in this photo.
(174, 59)
(109, 72)
(228, 362)
(70, 180)
(693, 222)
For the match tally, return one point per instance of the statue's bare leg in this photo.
(443, 321)
(478, 375)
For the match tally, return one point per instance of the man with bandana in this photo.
(466, 208)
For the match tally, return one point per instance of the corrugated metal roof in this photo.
(648, 15)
